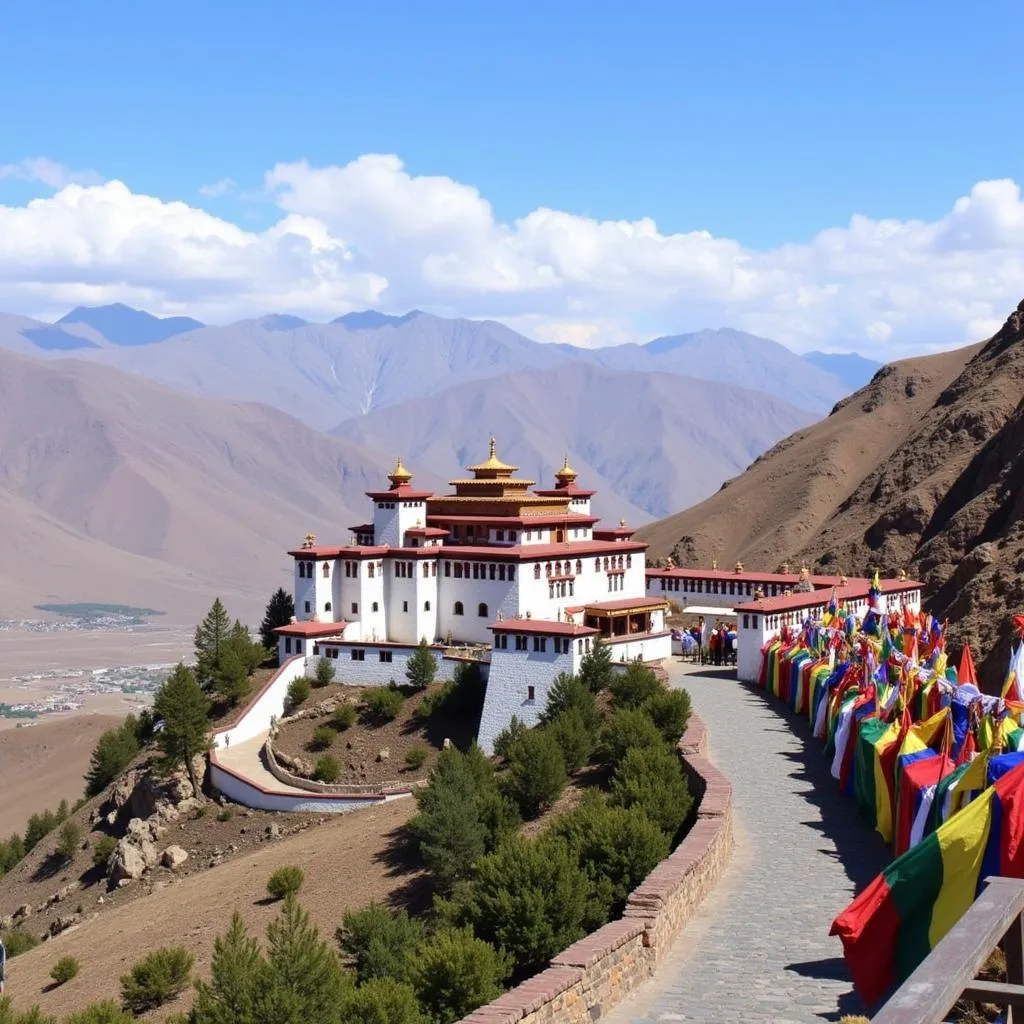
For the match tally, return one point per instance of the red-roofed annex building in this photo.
(525, 574)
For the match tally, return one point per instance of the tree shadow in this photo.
(52, 864)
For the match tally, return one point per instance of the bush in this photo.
(344, 717)
(298, 692)
(631, 688)
(421, 667)
(416, 756)
(324, 672)
(574, 739)
(69, 841)
(568, 693)
(384, 703)
(64, 969)
(11, 852)
(379, 943)
(107, 1012)
(285, 881)
(669, 710)
(323, 737)
(508, 737)
(536, 772)
(102, 849)
(156, 979)
(18, 941)
(651, 778)
(627, 729)
(454, 973)
(326, 769)
(113, 752)
(39, 825)
(596, 672)
(225, 814)
(617, 848)
(529, 899)
(382, 1001)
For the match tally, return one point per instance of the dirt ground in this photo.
(349, 860)
(42, 764)
(357, 747)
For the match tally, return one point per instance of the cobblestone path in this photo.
(759, 949)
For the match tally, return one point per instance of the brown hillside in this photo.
(923, 469)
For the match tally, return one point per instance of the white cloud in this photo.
(47, 172)
(370, 234)
(218, 188)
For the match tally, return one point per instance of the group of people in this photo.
(717, 647)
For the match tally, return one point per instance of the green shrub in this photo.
(344, 717)
(382, 1001)
(323, 737)
(669, 710)
(102, 849)
(384, 703)
(69, 841)
(113, 752)
(536, 772)
(508, 737)
(627, 729)
(651, 778)
(568, 693)
(379, 943)
(596, 671)
(616, 847)
(39, 825)
(575, 740)
(285, 881)
(64, 970)
(416, 756)
(298, 692)
(421, 667)
(326, 769)
(225, 814)
(107, 1012)
(156, 979)
(324, 672)
(8, 1015)
(633, 686)
(11, 852)
(18, 941)
(528, 898)
(454, 973)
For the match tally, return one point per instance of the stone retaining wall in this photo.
(597, 972)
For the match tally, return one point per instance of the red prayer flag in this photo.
(966, 673)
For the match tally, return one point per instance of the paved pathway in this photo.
(759, 948)
(247, 760)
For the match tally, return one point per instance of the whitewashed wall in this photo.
(650, 649)
(270, 703)
(371, 671)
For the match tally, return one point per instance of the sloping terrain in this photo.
(654, 440)
(923, 470)
(200, 494)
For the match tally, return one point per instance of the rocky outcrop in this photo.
(173, 857)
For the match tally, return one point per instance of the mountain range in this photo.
(921, 470)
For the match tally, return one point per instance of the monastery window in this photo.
(629, 563)
(530, 693)
(458, 570)
(586, 645)
(465, 569)
(405, 606)
(385, 656)
(520, 642)
(499, 534)
(302, 570)
(547, 569)
(298, 646)
(511, 572)
(316, 648)
(606, 563)
(481, 610)
(447, 568)
(309, 570)
(458, 608)
(426, 606)
(327, 570)
(492, 571)
(732, 587)
(357, 654)
(579, 646)
(375, 606)
(308, 609)
(536, 571)
(540, 643)
(426, 570)
(551, 591)
(558, 568)
(502, 573)
(355, 608)
(369, 570)
(511, 534)
(748, 590)
(700, 586)
(572, 588)
(746, 621)
(327, 606)
(597, 565)
(433, 569)
(662, 582)
(287, 645)
(579, 567)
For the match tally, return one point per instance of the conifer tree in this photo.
(596, 667)
(184, 708)
(212, 634)
(280, 609)
(238, 975)
(421, 666)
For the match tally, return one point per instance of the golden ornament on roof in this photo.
(399, 475)
(310, 541)
(566, 474)
(493, 463)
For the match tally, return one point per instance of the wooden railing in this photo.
(950, 972)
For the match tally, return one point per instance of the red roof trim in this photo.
(547, 627)
(400, 494)
(820, 598)
(790, 579)
(559, 492)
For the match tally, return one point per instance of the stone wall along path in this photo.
(758, 949)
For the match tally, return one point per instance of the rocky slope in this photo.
(923, 469)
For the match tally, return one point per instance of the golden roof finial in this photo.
(566, 474)
(903, 574)
(622, 523)
(399, 475)
(493, 451)
(310, 541)
(714, 563)
(493, 465)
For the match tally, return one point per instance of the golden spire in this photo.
(566, 475)
(399, 475)
(622, 523)
(493, 465)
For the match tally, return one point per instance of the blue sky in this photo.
(760, 123)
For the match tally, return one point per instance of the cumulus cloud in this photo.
(218, 188)
(47, 172)
(370, 234)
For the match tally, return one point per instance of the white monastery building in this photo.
(523, 578)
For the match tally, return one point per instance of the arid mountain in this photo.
(115, 489)
(654, 440)
(923, 469)
(361, 362)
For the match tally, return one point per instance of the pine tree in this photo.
(211, 636)
(184, 708)
(238, 974)
(421, 666)
(113, 752)
(280, 609)
(596, 668)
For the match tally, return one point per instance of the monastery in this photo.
(522, 579)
